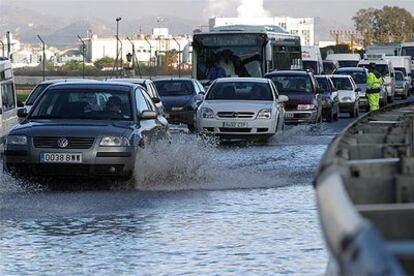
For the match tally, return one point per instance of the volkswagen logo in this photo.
(62, 143)
(235, 114)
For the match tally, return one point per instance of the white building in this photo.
(146, 47)
(303, 27)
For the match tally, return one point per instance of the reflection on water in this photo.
(207, 210)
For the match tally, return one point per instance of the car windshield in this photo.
(323, 83)
(359, 77)
(399, 76)
(252, 91)
(85, 104)
(348, 63)
(342, 83)
(402, 70)
(174, 88)
(36, 92)
(292, 83)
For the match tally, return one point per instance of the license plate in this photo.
(61, 158)
(289, 115)
(177, 108)
(235, 124)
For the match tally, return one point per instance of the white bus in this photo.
(244, 51)
(8, 99)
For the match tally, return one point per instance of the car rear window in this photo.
(174, 88)
(292, 83)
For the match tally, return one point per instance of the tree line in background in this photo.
(386, 25)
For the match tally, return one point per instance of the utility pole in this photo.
(179, 56)
(2, 45)
(150, 60)
(83, 56)
(43, 57)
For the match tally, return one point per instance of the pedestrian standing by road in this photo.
(374, 85)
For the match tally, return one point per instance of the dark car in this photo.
(149, 86)
(330, 99)
(305, 103)
(90, 129)
(179, 99)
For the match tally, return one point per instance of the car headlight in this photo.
(16, 140)
(114, 141)
(264, 114)
(207, 113)
(306, 107)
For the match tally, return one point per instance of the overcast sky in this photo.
(199, 10)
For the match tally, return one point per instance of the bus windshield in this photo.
(233, 55)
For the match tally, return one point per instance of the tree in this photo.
(389, 24)
(104, 62)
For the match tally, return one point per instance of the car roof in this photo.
(288, 72)
(174, 79)
(135, 81)
(65, 80)
(256, 80)
(351, 69)
(340, 76)
(95, 84)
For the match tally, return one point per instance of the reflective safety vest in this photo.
(374, 83)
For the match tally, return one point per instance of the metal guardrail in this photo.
(356, 244)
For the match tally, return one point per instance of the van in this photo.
(403, 64)
(312, 59)
(385, 68)
(345, 60)
(8, 99)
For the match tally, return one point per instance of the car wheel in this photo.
(336, 117)
(191, 128)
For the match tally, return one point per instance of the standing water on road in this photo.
(194, 208)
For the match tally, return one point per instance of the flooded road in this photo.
(194, 209)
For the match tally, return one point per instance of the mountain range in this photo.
(26, 24)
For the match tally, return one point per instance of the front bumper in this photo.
(241, 128)
(180, 117)
(346, 107)
(97, 162)
(301, 116)
(400, 91)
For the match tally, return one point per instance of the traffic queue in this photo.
(96, 128)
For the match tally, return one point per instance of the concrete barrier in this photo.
(365, 194)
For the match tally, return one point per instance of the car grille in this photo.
(243, 115)
(74, 142)
(245, 130)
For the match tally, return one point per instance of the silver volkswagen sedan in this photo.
(90, 129)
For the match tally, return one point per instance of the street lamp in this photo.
(179, 56)
(44, 56)
(150, 60)
(83, 56)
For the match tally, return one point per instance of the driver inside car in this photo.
(114, 104)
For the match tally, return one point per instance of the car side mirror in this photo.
(199, 97)
(392, 75)
(20, 104)
(283, 99)
(21, 113)
(148, 115)
(156, 100)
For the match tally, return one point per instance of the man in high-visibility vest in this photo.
(374, 85)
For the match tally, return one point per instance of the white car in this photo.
(348, 93)
(242, 108)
